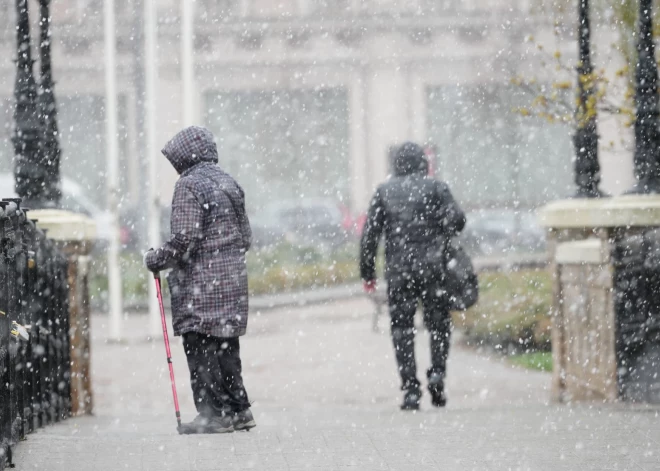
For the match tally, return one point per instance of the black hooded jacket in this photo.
(417, 214)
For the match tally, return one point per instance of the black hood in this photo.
(189, 147)
(410, 160)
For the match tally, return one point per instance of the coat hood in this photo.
(410, 160)
(190, 147)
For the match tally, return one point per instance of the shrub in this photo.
(513, 312)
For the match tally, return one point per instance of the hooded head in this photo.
(410, 160)
(189, 147)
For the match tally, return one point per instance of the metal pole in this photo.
(585, 140)
(153, 205)
(51, 147)
(188, 60)
(137, 12)
(29, 174)
(647, 134)
(112, 164)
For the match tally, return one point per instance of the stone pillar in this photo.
(606, 315)
(74, 235)
(557, 333)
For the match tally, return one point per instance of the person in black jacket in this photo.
(418, 216)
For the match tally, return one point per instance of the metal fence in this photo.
(34, 329)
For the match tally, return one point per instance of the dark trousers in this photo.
(215, 374)
(405, 291)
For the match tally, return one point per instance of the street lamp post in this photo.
(50, 161)
(585, 140)
(647, 134)
(35, 139)
(150, 94)
(30, 176)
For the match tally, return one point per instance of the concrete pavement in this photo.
(326, 396)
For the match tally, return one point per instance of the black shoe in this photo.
(437, 391)
(411, 400)
(221, 424)
(203, 424)
(198, 425)
(244, 420)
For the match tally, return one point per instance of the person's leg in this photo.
(205, 379)
(402, 297)
(195, 346)
(234, 394)
(438, 322)
(232, 391)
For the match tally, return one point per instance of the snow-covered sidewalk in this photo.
(326, 396)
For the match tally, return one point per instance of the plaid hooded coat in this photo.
(210, 236)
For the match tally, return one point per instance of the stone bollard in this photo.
(605, 257)
(74, 234)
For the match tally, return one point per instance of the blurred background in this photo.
(306, 99)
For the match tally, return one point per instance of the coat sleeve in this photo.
(186, 228)
(451, 215)
(244, 223)
(373, 229)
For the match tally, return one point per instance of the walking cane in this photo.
(159, 294)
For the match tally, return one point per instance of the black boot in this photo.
(198, 425)
(411, 399)
(437, 390)
(244, 420)
(202, 424)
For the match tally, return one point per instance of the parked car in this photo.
(264, 235)
(300, 222)
(73, 199)
(303, 222)
(500, 231)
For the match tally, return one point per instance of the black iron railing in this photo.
(34, 329)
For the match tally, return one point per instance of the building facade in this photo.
(305, 97)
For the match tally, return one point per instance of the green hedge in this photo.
(541, 361)
(273, 270)
(513, 313)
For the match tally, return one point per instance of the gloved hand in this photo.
(370, 286)
(149, 259)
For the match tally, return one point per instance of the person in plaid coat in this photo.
(208, 281)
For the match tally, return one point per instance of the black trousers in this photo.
(405, 291)
(215, 374)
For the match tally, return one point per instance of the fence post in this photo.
(34, 329)
(73, 235)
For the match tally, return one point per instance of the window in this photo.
(440, 7)
(489, 154)
(214, 11)
(283, 144)
(335, 7)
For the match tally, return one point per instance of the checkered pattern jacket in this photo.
(210, 236)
